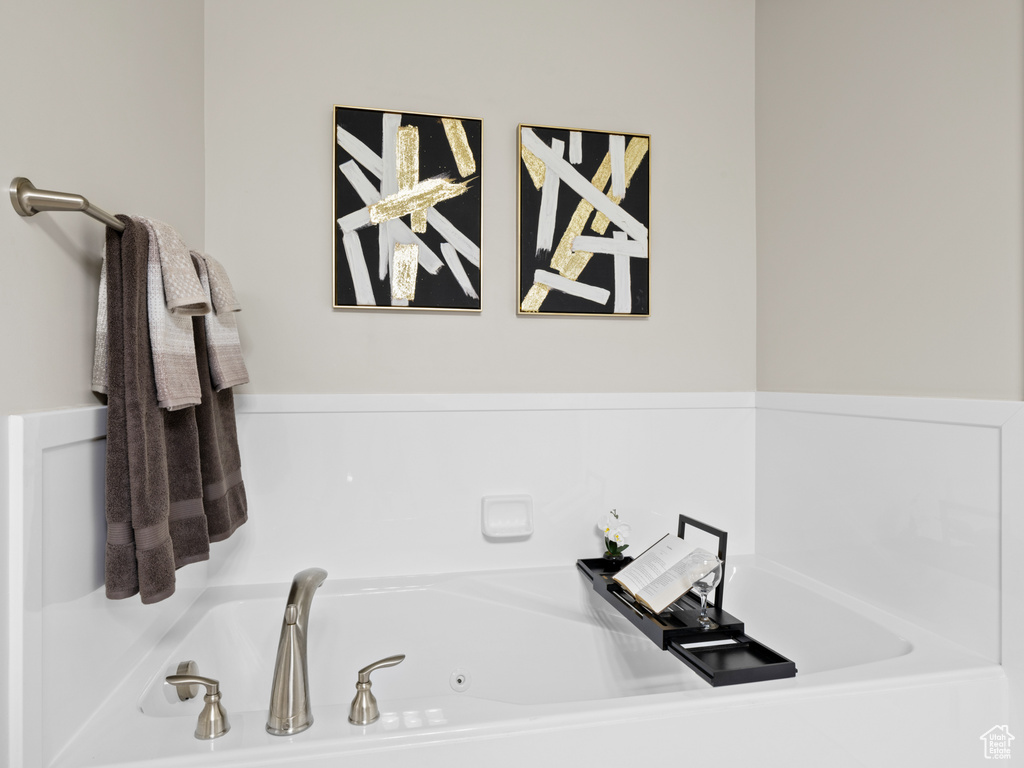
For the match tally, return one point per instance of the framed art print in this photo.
(407, 205)
(584, 211)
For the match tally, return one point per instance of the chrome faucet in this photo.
(289, 693)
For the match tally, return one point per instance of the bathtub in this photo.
(530, 667)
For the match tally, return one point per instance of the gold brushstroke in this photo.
(534, 298)
(535, 166)
(418, 221)
(403, 271)
(577, 261)
(635, 153)
(407, 157)
(425, 194)
(457, 140)
(563, 253)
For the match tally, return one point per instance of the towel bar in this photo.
(28, 201)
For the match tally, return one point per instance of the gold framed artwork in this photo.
(407, 210)
(584, 211)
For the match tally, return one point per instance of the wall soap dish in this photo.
(507, 517)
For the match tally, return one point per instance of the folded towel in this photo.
(170, 333)
(224, 497)
(154, 485)
(223, 348)
(221, 293)
(99, 353)
(181, 290)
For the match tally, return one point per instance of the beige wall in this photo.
(682, 72)
(889, 203)
(103, 99)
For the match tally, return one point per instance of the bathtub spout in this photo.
(289, 693)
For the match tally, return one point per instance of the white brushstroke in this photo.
(356, 220)
(388, 186)
(565, 285)
(451, 258)
(389, 160)
(623, 290)
(384, 249)
(365, 188)
(362, 153)
(548, 203)
(617, 152)
(575, 147)
(453, 235)
(618, 245)
(357, 268)
(584, 188)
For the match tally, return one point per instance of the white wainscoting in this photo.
(915, 506)
(898, 501)
(392, 484)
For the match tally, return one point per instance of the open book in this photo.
(666, 571)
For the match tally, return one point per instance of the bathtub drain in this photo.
(459, 680)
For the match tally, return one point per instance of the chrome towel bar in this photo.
(28, 201)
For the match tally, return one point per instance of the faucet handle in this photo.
(213, 721)
(390, 661)
(364, 706)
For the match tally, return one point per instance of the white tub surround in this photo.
(374, 488)
(914, 505)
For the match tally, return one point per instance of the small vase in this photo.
(614, 562)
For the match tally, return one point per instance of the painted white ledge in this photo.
(366, 403)
(979, 413)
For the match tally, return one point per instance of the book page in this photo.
(667, 551)
(677, 580)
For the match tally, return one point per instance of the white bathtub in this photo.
(555, 677)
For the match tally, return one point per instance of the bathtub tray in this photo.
(723, 656)
(739, 660)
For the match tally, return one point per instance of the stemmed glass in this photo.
(704, 585)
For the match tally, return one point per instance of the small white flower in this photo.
(608, 522)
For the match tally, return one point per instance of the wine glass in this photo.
(704, 585)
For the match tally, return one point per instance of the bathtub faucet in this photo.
(289, 694)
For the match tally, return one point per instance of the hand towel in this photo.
(223, 348)
(224, 497)
(222, 294)
(154, 486)
(99, 353)
(181, 289)
(172, 300)
(174, 295)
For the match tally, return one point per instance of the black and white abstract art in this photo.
(407, 203)
(584, 212)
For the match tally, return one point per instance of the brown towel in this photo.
(155, 516)
(223, 490)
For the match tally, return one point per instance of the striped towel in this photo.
(173, 296)
(223, 348)
(99, 353)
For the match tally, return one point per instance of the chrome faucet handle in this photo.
(213, 720)
(364, 706)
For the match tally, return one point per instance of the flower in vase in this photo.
(615, 533)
